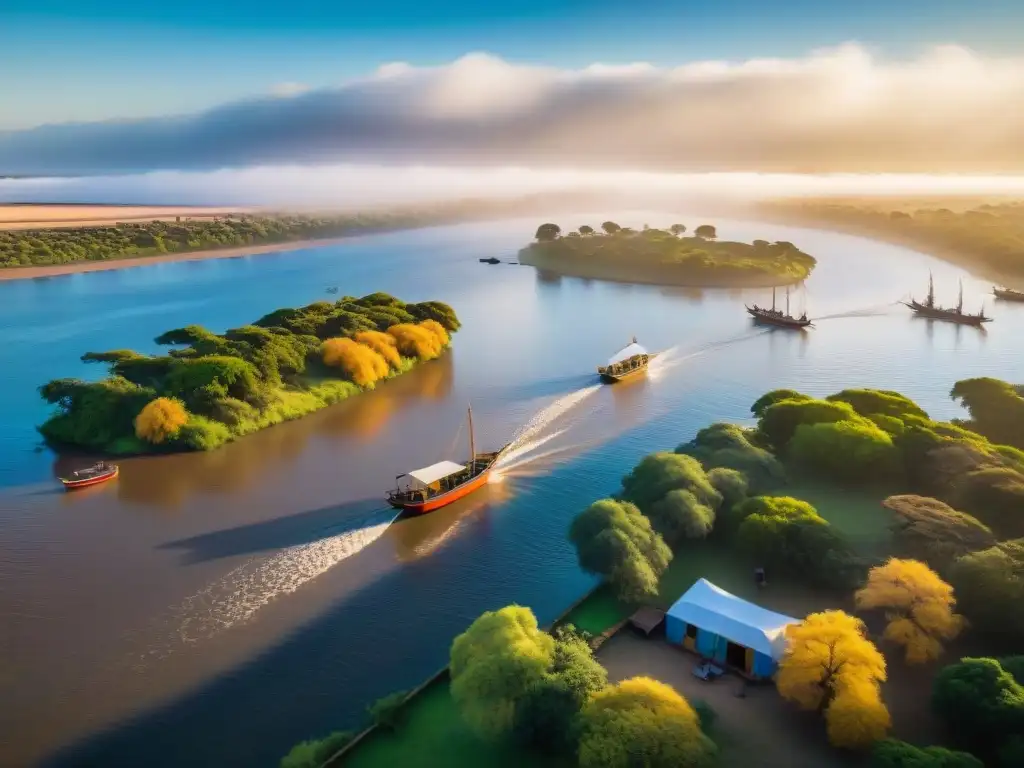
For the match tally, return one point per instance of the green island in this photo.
(52, 246)
(987, 236)
(212, 388)
(894, 540)
(665, 257)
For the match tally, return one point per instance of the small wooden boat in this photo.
(440, 484)
(94, 475)
(777, 317)
(928, 308)
(1008, 294)
(628, 361)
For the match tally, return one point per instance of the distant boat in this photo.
(628, 361)
(491, 260)
(94, 475)
(1008, 294)
(333, 289)
(952, 315)
(440, 484)
(777, 317)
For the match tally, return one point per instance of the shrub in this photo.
(363, 365)
(891, 753)
(927, 529)
(161, 420)
(731, 485)
(386, 711)
(726, 446)
(659, 473)
(775, 396)
(989, 586)
(846, 450)
(679, 515)
(416, 341)
(313, 754)
(779, 421)
(383, 344)
(995, 495)
(879, 402)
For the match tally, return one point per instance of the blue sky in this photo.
(83, 60)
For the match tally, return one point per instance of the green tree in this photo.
(610, 227)
(996, 408)
(779, 421)
(615, 541)
(706, 231)
(927, 529)
(313, 754)
(995, 495)
(892, 753)
(879, 402)
(846, 450)
(386, 712)
(727, 446)
(659, 473)
(677, 229)
(989, 586)
(548, 232)
(641, 721)
(731, 485)
(586, 230)
(773, 397)
(680, 515)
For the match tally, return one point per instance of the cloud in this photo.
(836, 110)
(286, 90)
(365, 186)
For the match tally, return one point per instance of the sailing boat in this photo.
(628, 361)
(953, 315)
(777, 317)
(440, 484)
(1008, 294)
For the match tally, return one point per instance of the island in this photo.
(212, 388)
(666, 257)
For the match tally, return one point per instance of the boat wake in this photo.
(242, 592)
(875, 311)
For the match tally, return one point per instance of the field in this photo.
(46, 216)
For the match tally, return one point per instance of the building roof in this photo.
(713, 609)
(647, 619)
(627, 352)
(435, 472)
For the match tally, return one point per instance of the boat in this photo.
(440, 484)
(1008, 294)
(955, 314)
(333, 289)
(628, 361)
(98, 473)
(777, 317)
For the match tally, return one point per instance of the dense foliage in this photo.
(730, 447)
(614, 540)
(830, 666)
(918, 607)
(27, 247)
(989, 235)
(313, 754)
(926, 529)
(510, 678)
(642, 722)
(981, 704)
(996, 408)
(211, 388)
(658, 255)
(989, 587)
(892, 753)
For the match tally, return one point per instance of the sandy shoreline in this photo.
(28, 273)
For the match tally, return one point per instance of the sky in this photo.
(74, 61)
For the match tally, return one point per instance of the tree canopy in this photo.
(892, 753)
(989, 588)
(641, 721)
(926, 529)
(730, 447)
(918, 604)
(546, 232)
(706, 231)
(996, 408)
(830, 666)
(614, 540)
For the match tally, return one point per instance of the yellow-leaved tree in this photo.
(160, 420)
(383, 344)
(918, 604)
(418, 340)
(830, 666)
(362, 364)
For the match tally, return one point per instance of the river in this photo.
(213, 609)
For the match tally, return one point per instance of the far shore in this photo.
(28, 273)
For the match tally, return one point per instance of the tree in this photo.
(494, 664)
(731, 485)
(778, 421)
(677, 229)
(160, 420)
(918, 604)
(995, 495)
(996, 408)
(989, 587)
(846, 450)
(615, 541)
(363, 364)
(773, 397)
(981, 706)
(679, 515)
(386, 711)
(706, 231)
(727, 446)
(313, 754)
(928, 530)
(641, 721)
(891, 753)
(879, 402)
(586, 230)
(857, 718)
(416, 341)
(825, 652)
(548, 232)
(659, 473)
(610, 227)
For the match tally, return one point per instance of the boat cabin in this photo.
(436, 479)
(630, 358)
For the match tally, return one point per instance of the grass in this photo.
(857, 513)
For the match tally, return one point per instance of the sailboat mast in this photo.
(773, 298)
(931, 290)
(472, 441)
(787, 301)
(960, 300)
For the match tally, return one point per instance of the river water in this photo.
(214, 609)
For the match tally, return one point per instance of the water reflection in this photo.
(169, 481)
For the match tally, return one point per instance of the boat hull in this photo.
(88, 482)
(1007, 295)
(946, 315)
(779, 322)
(611, 378)
(422, 506)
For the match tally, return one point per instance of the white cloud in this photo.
(837, 110)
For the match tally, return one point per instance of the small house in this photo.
(727, 629)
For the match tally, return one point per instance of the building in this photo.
(731, 631)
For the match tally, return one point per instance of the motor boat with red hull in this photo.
(86, 478)
(441, 484)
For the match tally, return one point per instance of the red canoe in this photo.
(440, 484)
(94, 475)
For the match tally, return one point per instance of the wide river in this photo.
(214, 609)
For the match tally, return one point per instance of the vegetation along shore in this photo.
(210, 389)
(665, 257)
(986, 237)
(890, 538)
